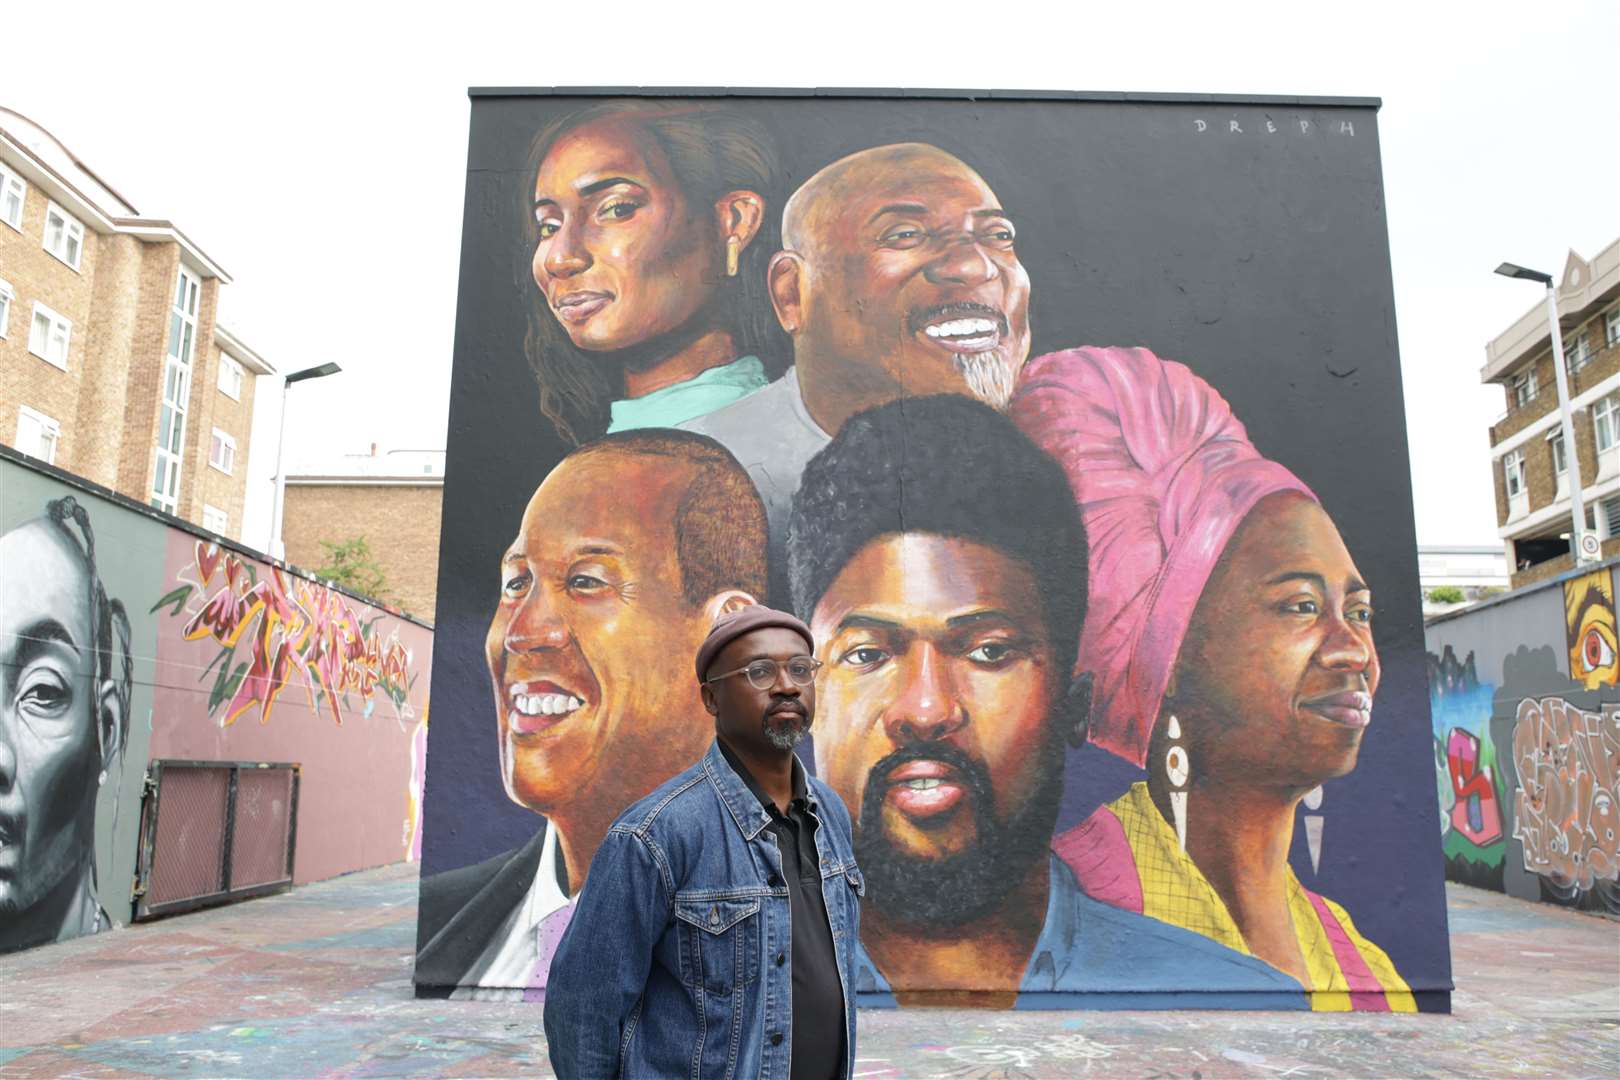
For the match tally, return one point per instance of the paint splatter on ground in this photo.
(316, 983)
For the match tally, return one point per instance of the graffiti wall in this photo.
(1527, 742)
(129, 639)
(1071, 428)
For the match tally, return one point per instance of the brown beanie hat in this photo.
(734, 624)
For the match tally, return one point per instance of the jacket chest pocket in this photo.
(719, 943)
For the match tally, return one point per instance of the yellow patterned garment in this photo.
(1347, 971)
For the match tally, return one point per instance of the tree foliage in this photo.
(351, 564)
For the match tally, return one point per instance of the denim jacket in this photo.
(662, 970)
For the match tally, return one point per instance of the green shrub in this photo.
(1446, 594)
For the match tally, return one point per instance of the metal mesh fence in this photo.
(189, 848)
(259, 839)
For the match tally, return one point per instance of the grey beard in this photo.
(787, 734)
(989, 378)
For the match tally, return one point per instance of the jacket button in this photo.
(776, 1038)
(781, 958)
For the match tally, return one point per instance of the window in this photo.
(176, 392)
(1513, 472)
(1611, 327)
(222, 452)
(12, 193)
(37, 435)
(230, 378)
(6, 296)
(1576, 354)
(49, 336)
(1524, 388)
(1560, 462)
(215, 520)
(1606, 422)
(64, 236)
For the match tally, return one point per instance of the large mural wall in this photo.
(1074, 430)
(1527, 742)
(126, 640)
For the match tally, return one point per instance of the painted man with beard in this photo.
(933, 550)
(628, 551)
(899, 278)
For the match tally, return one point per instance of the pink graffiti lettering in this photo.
(1567, 804)
(300, 630)
(1475, 813)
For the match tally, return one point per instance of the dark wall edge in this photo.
(1326, 101)
(163, 518)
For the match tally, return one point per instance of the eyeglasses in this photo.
(762, 673)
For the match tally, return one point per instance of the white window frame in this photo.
(1560, 459)
(176, 400)
(12, 185)
(46, 424)
(7, 295)
(1576, 354)
(1513, 473)
(225, 463)
(1524, 387)
(215, 520)
(72, 231)
(229, 367)
(1606, 419)
(1611, 326)
(58, 324)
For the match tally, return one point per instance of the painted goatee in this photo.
(990, 377)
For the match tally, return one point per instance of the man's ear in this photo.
(724, 603)
(109, 725)
(1077, 710)
(708, 699)
(740, 214)
(785, 279)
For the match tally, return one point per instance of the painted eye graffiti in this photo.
(1597, 651)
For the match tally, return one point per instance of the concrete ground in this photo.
(316, 983)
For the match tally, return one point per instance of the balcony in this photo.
(1600, 365)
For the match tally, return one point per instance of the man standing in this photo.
(899, 279)
(628, 551)
(717, 932)
(940, 558)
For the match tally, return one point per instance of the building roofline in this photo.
(1584, 287)
(75, 158)
(138, 227)
(1118, 97)
(241, 351)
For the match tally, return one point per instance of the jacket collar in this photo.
(750, 817)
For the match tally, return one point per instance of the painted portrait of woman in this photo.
(649, 227)
(1230, 637)
(65, 680)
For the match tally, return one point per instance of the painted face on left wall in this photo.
(49, 750)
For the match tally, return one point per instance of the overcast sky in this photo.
(319, 154)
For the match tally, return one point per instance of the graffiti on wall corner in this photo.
(292, 631)
(1567, 806)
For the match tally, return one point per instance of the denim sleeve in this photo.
(600, 968)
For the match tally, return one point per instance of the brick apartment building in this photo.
(393, 499)
(112, 363)
(1528, 456)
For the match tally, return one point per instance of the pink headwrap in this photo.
(1164, 474)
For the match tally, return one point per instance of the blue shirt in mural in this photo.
(1095, 956)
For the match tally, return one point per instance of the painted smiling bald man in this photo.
(900, 277)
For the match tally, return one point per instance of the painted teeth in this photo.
(960, 328)
(926, 783)
(545, 704)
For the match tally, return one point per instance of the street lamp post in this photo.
(1572, 456)
(277, 548)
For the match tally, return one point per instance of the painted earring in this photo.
(102, 779)
(733, 250)
(1177, 770)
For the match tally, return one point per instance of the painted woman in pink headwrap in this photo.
(1229, 635)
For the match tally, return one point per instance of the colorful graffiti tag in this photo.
(1465, 760)
(295, 631)
(1590, 626)
(1567, 806)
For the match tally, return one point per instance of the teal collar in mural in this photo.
(698, 396)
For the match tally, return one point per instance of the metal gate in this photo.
(213, 832)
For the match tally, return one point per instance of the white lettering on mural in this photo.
(1234, 126)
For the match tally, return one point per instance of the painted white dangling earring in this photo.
(1177, 769)
(1313, 827)
(102, 779)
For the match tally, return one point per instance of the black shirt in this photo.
(818, 996)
